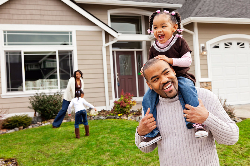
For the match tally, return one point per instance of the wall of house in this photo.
(100, 11)
(90, 62)
(211, 31)
(51, 12)
(89, 44)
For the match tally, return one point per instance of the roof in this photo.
(215, 8)
(172, 4)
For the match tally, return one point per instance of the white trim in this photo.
(205, 80)
(130, 3)
(215, 40)
(91, 18)
(196, 55)
(134, 37)
(128, 11)
(105, 72)
(216, 20)
(3, 1)
(26, 27)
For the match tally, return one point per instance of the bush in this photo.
(46, 105)
(17, 121)
(3, 112)
(124, 104)
(228, 108)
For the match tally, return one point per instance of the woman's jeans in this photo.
(59, 118)
(79, 116)
(187, 95)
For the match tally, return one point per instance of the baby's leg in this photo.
(187, 95)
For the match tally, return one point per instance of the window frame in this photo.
(30, 48)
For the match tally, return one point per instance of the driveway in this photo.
(242, 111)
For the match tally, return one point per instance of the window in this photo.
(37, 38)
(40, 70)
(126, 24)
(37, 60)
(127, 45)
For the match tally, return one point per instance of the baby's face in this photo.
(82, 95)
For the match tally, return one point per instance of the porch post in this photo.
(196, 55)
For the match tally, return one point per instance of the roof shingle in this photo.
(215, 8)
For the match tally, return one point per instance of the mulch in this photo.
(8, 162)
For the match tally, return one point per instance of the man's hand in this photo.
(196, 114)
(147, 124)
(163, 57)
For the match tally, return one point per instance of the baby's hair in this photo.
(78, 93)
(174, 17)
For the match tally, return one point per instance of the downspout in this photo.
(105, 71)
(196, 53)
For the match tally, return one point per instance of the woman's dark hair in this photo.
(175, 19)
(79, 71)
(79, 93)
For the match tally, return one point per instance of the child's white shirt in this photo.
(78, 104)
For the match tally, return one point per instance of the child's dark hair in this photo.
(174, 17)
(79, 93)
(79, 71)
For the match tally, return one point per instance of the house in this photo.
(43, 42)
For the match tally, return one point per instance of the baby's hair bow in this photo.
(173, 13)
(179, 30)
(179, 35)
(158, 11)
(165, 11)
(149, 31)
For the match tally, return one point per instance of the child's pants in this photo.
(187, 95)
(79, 116)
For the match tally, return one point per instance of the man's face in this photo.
(162, 79)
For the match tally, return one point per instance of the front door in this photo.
(125, 79)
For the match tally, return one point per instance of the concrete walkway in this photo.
(242, 111)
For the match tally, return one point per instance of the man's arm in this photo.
(224, 130)
(146, 125)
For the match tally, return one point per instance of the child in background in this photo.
(174, 50)
(80, 112)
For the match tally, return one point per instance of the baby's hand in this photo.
(163, 57)
(95, 109)
(69, 114)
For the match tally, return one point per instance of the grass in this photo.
(238, 154)
(111, 142)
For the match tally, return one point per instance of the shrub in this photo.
(3, 112)
(124, 104)
(46, 105)
(228, 108)
(17, 121)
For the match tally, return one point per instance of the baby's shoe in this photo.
(200, 131)
(147, 141)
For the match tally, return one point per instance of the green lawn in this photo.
(111, 142)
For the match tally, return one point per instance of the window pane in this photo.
(65, 67)
(126, 24)
(37, 38)
(14, 71)
(125, 65)
(127, 45)
(40, 70)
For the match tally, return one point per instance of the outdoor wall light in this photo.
(203, 50)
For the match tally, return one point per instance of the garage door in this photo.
(230, 69)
